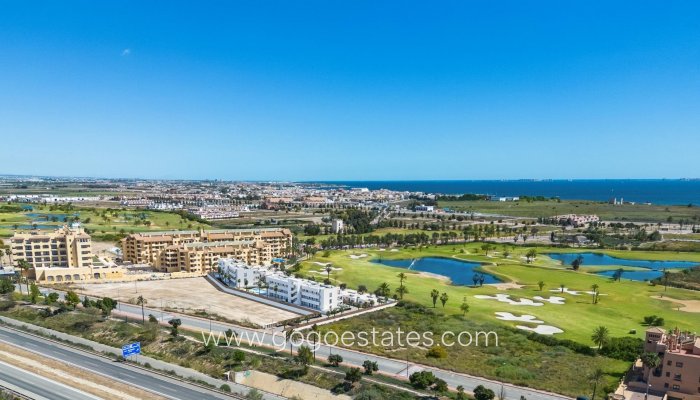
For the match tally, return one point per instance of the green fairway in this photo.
(621, 306)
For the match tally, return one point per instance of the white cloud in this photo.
(126, 52)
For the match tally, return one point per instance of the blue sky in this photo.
(365, 90)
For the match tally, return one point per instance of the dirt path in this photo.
(69, 375)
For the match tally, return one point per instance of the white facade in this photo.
(239, 274)
(425, 208)
(285, 288)
(338, 226)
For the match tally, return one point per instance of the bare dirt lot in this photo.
(190, 294)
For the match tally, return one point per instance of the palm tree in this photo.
(562, 287)
(141, 301)
(289, 335)
(24, 266)
(595, 293)
(595, 377)
(435, 295)
(600, 336)
(384, 290)
(329, 269)
(666, 276)
(541, 285)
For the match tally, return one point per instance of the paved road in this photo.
(350, 357)
(355, 358)
(37, 387)
(161, 385)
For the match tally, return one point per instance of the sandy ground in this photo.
(685, 305)
(67, 374)
(506, 285)
(288, 388)
(193, 294)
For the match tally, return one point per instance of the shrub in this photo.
(225, 388)
(437, 351)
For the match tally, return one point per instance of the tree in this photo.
(482, 393)
(72, 298)
(6, 286)
(383, 290)
(174, 323)
(532, 253)
(562, 287)
(335, 359)
(651, 360)
(595, 287)
(666, 276)
(541, 285)
(600, 336)
(304, 357)
(51, 298)
(435, 295)
(141, 302)
(464, 306)
(402, 289)
(460, 393)
(24, 266)
(422, 379)
(440, 386)
(34, 293)
(596, 376)
(353, 375)
(443, 299)
(576, 264)
(370, 367)
(107, 305)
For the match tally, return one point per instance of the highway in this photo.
(37, 387)
(40, 387)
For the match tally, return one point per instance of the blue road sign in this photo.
(131, 349)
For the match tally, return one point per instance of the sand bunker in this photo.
(541, 329)
(685, 305)
(355, 256)
(506, 316)
(551, 300)
(566, 290)
(505, 298)
(394, 250)
(321, 264)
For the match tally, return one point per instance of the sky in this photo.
(350, 90)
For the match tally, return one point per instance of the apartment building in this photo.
(337, 226)
(199, 251)
(678, 375)
(64, 255)
(67, 247)
(302, 292)
(576, 219)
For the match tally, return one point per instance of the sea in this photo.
(655, 191)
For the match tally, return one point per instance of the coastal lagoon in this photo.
(459, 272)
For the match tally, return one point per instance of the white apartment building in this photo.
(301, 292)
(425, 208)
(240, 275)
(337, 226)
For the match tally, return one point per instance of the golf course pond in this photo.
(654, 268)
(459, 272)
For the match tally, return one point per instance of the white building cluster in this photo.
(302, 292)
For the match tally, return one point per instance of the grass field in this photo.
(608, 212)
(621, 308)
(121, 222)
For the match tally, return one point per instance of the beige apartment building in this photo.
(678, 375)
(199, 251)
(64, 255)
(68, 247)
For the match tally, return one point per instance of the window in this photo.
(677, 377)
(668, 374)
(679, 364)
(676, 387)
